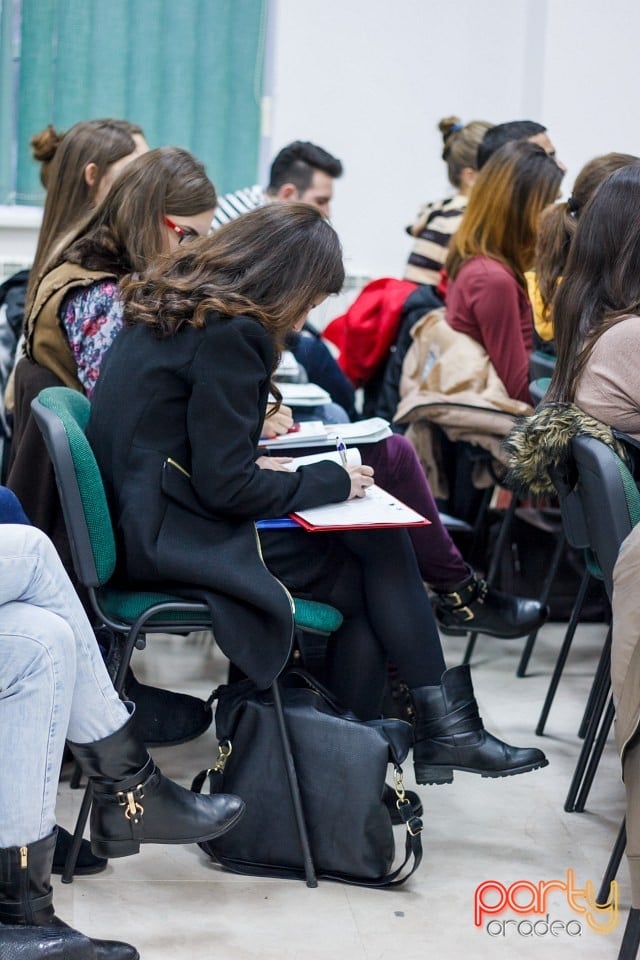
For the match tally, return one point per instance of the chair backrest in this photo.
(538, 389)
(541, 364)
(62, 415)
(609, 498)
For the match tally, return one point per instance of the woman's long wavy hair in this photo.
(126, 231)
(274, 263)
(559, 221)
(501, 218)
(601, 283)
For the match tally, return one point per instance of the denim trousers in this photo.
(53, 682)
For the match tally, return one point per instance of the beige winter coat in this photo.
(625, 681)
(448, 381)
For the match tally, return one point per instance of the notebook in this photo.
(314, 433)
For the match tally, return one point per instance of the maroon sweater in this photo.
(487, 303)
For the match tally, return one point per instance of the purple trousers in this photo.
(398, 470)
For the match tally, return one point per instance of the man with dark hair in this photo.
(300, 171)
(502, 133)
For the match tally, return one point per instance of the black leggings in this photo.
(372, 577)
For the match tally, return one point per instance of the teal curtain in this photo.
(188, 71)
(7, 109)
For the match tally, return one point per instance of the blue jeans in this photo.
(53, 682)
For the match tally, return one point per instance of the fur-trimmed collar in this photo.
(540, 443)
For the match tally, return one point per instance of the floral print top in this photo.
(91, 318)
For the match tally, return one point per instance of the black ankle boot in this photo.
(449, 735)
(26, 900)
(473, 605)
(163, 717)
(134, 803)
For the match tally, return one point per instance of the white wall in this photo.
(370, 79)
(18, 237)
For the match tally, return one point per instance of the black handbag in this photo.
(341, 765)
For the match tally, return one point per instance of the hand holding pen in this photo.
(361, 475)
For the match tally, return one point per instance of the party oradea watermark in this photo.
(546, 909)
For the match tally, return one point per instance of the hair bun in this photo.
(449, 125)
(45, 144)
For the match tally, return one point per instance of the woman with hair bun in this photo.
(78, 168)
(438, 221)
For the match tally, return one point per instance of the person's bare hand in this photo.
(274, 463)
(361, 478)
(275, 424)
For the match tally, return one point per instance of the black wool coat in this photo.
(175, 424)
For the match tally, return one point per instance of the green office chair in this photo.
(611, 504)
(62, 416)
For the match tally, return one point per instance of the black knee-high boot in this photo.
(26, 906)
(134, 803)
(449, 735)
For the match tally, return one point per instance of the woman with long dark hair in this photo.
(597, 308)
(191, 375)
(556, 229)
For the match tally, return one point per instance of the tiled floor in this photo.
(175, 905)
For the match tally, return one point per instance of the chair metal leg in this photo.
(543, 598)
(74, 849)
(587, 746)
(564, 652)
(613, 865)
(294, 788)
(596, 755)
(76, 777)
(470, 645)
(478, 523)
(83, 815)
(501, 539)
(631, 938)
(599, 688)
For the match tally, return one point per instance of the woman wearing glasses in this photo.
(160, 200)
(74, 312)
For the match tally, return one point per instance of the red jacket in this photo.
(365, 333)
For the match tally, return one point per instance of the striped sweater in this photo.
(233, 205)
(436, 224)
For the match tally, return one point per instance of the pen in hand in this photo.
(342, 450)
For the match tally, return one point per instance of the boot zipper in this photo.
(24, 885)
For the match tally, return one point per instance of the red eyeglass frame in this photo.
(181, 231)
